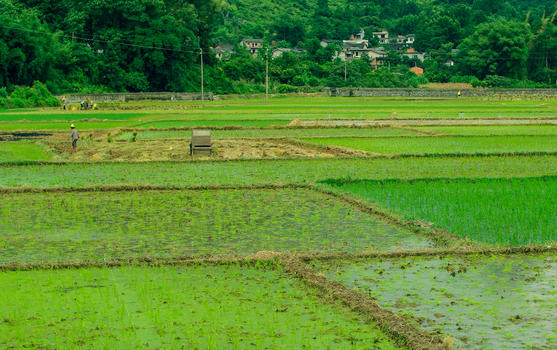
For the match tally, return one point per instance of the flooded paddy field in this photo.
(482, 302)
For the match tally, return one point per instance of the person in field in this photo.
(74, 136)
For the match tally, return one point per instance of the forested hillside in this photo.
(154, 45)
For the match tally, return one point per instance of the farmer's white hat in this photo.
(72, 126)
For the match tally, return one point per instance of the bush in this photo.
(284, 88)
(313, 81)
(462, 79)
(496, 81)
(25, 97)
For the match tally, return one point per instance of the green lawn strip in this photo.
(272, 133)
(271, 171)
(482, 302)
(203, 307)
(43, 116)
(496, 211)
(65, 125)
(444, 145)
(492, 130)
(163, 124)
(95, 226)
(22, 151)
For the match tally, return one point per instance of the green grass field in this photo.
(444, 145)
(173, 308)
(22, 151)
(496, 211)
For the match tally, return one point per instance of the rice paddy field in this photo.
(432, 224)
(444, 145)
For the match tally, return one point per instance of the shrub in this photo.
(23, 96)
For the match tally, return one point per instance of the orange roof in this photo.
(411, 50)
(417, 70)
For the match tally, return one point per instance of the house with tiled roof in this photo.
(252, 45)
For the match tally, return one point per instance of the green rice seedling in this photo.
(492, 130)
(498, 211)
(445, 145)
(271, 171)
(200, 307)
(22, 151)
(275, 133)
(482, 302)
(83, 226)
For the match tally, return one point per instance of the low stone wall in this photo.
(427, 92)
(138, 96)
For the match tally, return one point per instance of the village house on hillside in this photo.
(252, 45)
(357, 47)
(281, 50)
(394, 43)
(223, 51)
(383, 36)
(413, 54)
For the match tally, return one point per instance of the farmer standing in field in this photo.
(75, 137)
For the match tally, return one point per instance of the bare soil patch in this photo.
(93, 149)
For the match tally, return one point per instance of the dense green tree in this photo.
(542, 60)
(496, 48)
(138, 45)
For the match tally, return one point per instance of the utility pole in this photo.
(202, 94)
(345, 69)
(267, 76)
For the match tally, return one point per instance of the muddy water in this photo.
(21, 136)
(498, 302)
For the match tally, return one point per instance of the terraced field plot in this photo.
(271, 133)
(483, 302)
(189, 268)
(96, 226)
(165, 124)
(21, 151)
(174, 308)
(497, 211)
(494, 130)
(82, 125)
(52, 115)
(444, 145)
(299, 171)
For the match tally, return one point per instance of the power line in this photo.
(116, 42)
(193, 51)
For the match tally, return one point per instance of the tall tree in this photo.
(496, 48)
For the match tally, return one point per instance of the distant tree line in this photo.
(155, 45)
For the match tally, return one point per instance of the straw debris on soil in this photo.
(178, 150)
